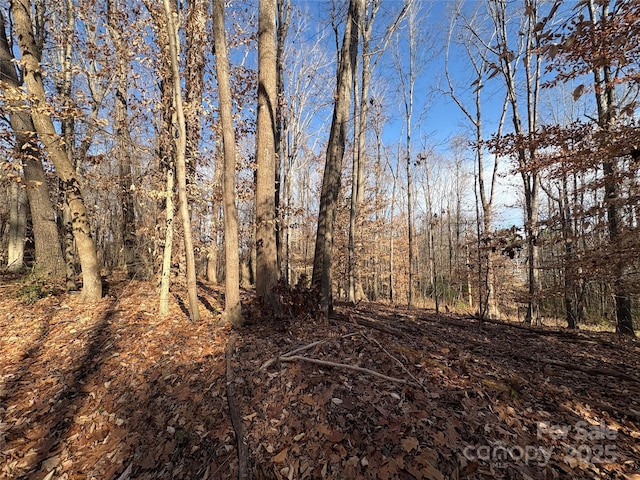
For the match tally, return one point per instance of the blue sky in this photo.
(436, 118)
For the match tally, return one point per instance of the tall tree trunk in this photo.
(266, 251)
(92, 283)
(530, 180)
(323, 257)
(394, 190)
(165, 274)
(569, 270)
(17, 227)
(123, 140)
(196, 25)
(233, 311)
(68, 134)
(408, 107)
(487, 302)
(216, 220)
(48, 262)
(431, 249)
(181, 168)
(283, 17)
(606, 102)
(356, 292)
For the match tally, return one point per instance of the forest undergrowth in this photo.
(111, 391)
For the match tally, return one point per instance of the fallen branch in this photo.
(591, 371)
(397, 360)
(630, 413)
(270, 362)
(234, 413)
(367, 323)
(325, 363)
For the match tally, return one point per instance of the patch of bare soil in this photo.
(112, 391)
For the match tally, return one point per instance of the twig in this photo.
(270, 362)
(368, 323)
(234, 413)
(126, 474)
(397, 361)
(588, 370)
(325, 363)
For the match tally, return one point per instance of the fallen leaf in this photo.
(409, 443)
(280, 457)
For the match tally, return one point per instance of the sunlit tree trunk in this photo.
(233, 311)
(323, 257)
(606, 102)
(282, 29)
(408, 85)
(48, 261)
(181, 171)
(92, 283)
(356, 292)
(165, 274)
(216, 221)
(530, 179)
(123, 139)
(17, 227)
(196, 26)
(266, 250)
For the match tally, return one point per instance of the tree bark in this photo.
(216, 221)
(233, 311)
(17, 227)
(181, 170)
(194, 82)
(323, 257)
(123, 139)
(356, 292)
(606, 102)
(92, 283)
(165, 274)
(530, 180)
(282, 29)
(266, 249)
(48, 253)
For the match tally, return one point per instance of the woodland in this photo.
(319, 239)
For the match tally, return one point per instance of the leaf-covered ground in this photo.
(112, 391)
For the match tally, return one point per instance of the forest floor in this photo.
(112, 391)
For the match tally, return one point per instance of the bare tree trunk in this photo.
(92, 283)
(283, 17)
(431, 249)
(323, 257)
(17, 227)
(356, 292)
(165, 275)
(123, 139)
(196, 26)
(267, 273)
(216, 222)
(487, 302)
(394, 189)
(181, 172)
(48, 254)
(353, 211)
(233, 311)
(68, 134)
(408, 89)
(606, 102)
(530, 180)
(569, 271)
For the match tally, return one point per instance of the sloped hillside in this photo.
(112, 391)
